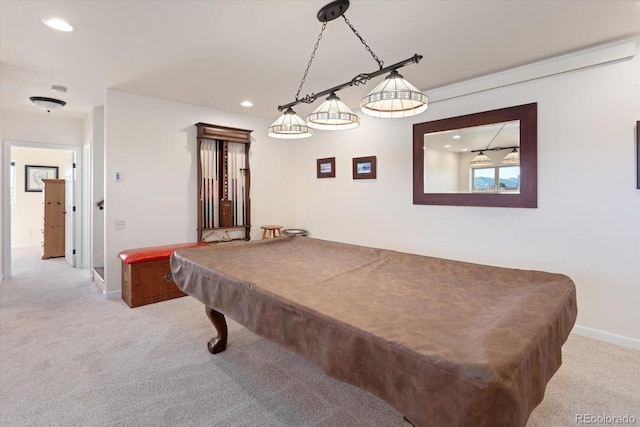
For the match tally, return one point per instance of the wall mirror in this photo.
(481, 159)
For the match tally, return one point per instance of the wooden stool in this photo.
(271, 231)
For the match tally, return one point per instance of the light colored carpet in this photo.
(70, 357)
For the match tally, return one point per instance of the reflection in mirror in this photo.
(481, 159)
(475, 159)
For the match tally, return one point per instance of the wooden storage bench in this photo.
(146, 275)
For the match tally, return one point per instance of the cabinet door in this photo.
(54, 218)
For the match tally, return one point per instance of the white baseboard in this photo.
(607, 337)
(27, 246)
(112, 294)
(98, 281)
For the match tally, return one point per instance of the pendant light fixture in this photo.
(47, 104)
(513, 158)
(395, 97)
(289, 126)
(333, 114)
(481, 160)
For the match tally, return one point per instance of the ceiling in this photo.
(219, 53)
(484, 137)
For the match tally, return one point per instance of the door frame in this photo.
(71, 218)
(80, 229)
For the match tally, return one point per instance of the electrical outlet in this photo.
(119, 224)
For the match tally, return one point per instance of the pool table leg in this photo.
(218, 343)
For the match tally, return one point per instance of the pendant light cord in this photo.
(380, 63)
(496, 135)
(313, 54)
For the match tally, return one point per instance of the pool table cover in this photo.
(447, 343)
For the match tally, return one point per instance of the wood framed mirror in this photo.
(481, 159)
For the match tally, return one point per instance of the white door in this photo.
(70, 209)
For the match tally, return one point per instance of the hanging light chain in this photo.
(380, 63)
(291, 126)
(496, 135)
(313, 54)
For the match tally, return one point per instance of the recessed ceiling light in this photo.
(246, 104)
(465, 149)
(447, 146)
(57, 24)
(456, 137)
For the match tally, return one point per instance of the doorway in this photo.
(22, 217)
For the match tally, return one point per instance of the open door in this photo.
(70, 209)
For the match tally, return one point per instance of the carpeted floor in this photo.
(71, 357)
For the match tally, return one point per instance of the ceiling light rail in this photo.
(494, 149)
(394, 97)
(360, 79)
(513, 158)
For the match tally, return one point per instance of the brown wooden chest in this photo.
(146, 274)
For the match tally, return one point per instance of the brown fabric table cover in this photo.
(447, 343)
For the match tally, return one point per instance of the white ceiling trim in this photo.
(599, 55)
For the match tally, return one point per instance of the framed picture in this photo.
(364, 167)
(33, 176)
(326, 168)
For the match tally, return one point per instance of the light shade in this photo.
(333, 114)
(513, 158)
(394, 98)
(47, 103)
(481, 160)
(289, 126)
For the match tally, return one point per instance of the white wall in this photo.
(442, 168)
(95, 132)
(49, 128)
(587, 224)
(35, 130)
(26, 214)
(4, 198)
(153, 144)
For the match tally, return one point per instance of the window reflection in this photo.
(507, 179)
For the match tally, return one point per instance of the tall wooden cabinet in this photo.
(53, 218)
(224, 181)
